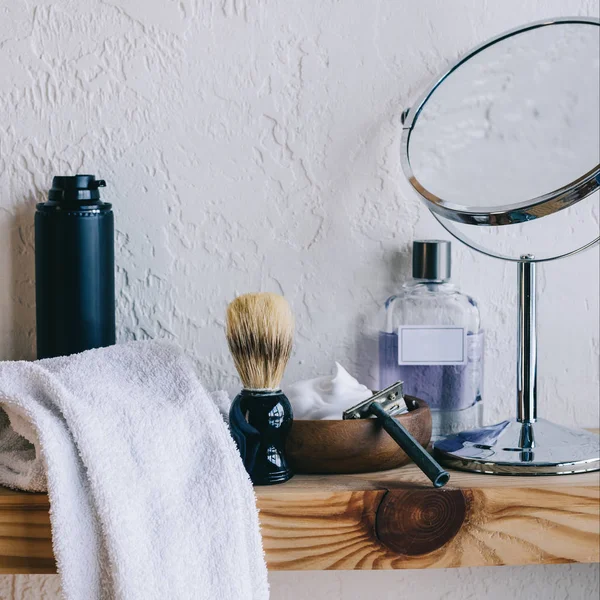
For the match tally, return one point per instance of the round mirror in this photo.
(511, 132)
(507, 135)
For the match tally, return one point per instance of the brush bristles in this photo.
(260, 329)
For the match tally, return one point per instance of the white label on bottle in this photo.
(432, 345)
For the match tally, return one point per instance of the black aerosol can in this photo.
(74, 268)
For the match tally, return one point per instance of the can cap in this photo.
(75, 188)
(431, 259)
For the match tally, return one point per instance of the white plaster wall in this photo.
(254, 145)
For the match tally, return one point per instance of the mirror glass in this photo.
(515, 121)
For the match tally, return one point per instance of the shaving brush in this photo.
(260, 331)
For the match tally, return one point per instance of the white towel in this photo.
(149, 497)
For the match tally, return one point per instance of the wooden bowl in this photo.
(354, 446)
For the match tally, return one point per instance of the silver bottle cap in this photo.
(431, 259)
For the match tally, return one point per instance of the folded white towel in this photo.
(149, 497)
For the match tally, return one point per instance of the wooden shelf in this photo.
(388, 520)
(396, 520)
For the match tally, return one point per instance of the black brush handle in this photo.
(260, 422)
(413, 449)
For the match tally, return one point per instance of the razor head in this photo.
(391, 399)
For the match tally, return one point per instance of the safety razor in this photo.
(384, 406)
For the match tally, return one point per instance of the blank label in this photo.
(432, 346)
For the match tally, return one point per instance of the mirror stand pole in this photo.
(527, 343)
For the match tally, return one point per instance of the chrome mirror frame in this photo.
(519, 212)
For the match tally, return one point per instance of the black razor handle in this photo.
(411, 447)
(260, 422)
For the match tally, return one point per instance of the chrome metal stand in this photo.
(525, 445)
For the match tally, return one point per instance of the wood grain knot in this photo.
(417, 522)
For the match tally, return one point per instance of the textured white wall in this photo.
(254, 145)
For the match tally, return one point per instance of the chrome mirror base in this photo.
(516, 448)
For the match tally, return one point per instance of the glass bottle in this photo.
(430, 337)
